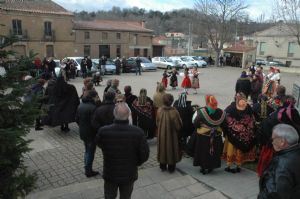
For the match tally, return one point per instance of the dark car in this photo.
(130, 66)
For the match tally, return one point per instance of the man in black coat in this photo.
(86, 131)
(51, 67)
(124, 148)
(243, 84)
(281, 179)
(138, 62)
(104, 113)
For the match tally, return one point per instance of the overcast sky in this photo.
(256, 7)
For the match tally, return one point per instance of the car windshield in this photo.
(78, 61)
(145, 60)
(183, 59)
(108, 62)
(168, 60)
(196, 58)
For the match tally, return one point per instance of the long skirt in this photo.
(233, 155)
(265, 158)
(164, 82)
(195, 83)
(207, 156)
(186, 83)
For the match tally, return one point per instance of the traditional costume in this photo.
(164, 80)
(173, 79)
(207, 146)
(239, 130)
(195, 80)
(273, 79)
(186, 82)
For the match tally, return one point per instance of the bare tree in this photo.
(289, 12)
(218, 19)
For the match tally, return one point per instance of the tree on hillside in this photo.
(218, 18)
(16, 118)
(289, 12)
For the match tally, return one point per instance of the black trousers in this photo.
(111, 190)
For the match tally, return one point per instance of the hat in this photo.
(211, 101)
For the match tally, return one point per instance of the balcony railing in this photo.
(49, 37)
(22, 35)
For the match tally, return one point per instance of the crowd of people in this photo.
(266, 129)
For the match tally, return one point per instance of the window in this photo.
(118, 35)
(135, 39)
(118, 51)
(47, 28)
(17, 27)
(145, 52)
(104, 35)
(86, 35)
(87, 50)
(291, 49)
(262, 48)
(136, 52)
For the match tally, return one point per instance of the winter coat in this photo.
(243, 85)
(63, 109)
(83, 118)
(186, 114)
(256, 88)
(158, 99)
(282, 177)
(124, 148)
(103, 115)
(168, 126)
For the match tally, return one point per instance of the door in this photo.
(104, 50)
(49, 51)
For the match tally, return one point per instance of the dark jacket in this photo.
(243, 85)
(186, 114)
(282, 177)
(83, 118)
(104, 115)
(124, 148)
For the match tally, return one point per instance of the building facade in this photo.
(277, 44)
(41, 26)
(112, 39)
(49, 30)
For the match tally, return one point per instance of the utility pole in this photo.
(189, 44)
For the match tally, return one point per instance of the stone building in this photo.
(41, 26)
(112, 38)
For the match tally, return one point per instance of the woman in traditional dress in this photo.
(164, 80)
(195, 80)
(169, 124)
(208, 145)
(143, 113)
(270, 87)
(239, 130)
(186, 82)
(173, 79)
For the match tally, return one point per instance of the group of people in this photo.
(190, 80)
(120, 124)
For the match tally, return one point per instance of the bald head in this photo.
(121, 111)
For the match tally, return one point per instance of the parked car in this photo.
(260, 62)
(276, 64)
(146, 64)
(182, 62)
(164, 62)
(198, 62)
(77, 61)
(58, 67)
(110, 67)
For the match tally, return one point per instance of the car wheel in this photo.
(168, 67)
(196, 65)
(183, 66)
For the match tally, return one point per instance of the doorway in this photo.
(104, 50)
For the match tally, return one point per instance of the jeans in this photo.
(137, 70)
(111, 190)
(90, 148)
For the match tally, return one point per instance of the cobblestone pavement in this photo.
(57, 157)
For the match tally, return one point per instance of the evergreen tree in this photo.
(16, 119)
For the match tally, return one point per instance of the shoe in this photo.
(38, 128)
(238, 169)
(228, 169)
(209, 170)
(66, 129)
(203, 171)
(163, 167)
(91, 174)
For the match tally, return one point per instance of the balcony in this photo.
(22, 35)
(50, 37)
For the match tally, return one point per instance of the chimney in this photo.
(143, 23)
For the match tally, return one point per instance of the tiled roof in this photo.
(158, 40)
(131, 26)
(239, 48)
(34, 6)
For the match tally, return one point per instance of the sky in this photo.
(255, 9)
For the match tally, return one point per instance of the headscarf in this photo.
(238, 98)
(142, 99)
(244, 74)
(182, 100)
(211, 104)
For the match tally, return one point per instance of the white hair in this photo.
(122, 111)
(286, 132)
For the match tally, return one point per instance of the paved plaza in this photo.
(57, 157)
